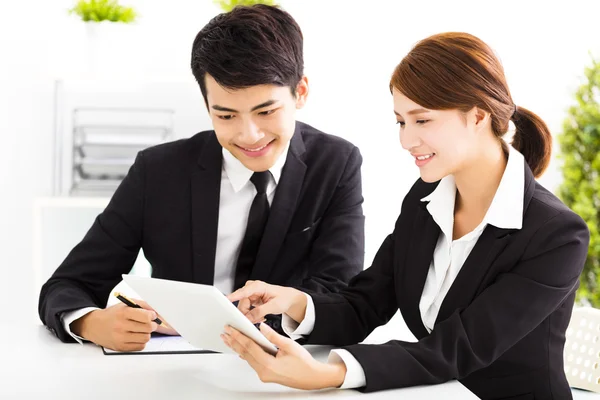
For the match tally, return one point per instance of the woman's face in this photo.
(442, 142)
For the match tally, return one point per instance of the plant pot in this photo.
(106, 47)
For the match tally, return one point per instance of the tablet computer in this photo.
(198, 312)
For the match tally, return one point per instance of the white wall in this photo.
(351, 49)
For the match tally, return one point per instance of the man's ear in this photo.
(301, 92)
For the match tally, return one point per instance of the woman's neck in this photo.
(477, 184)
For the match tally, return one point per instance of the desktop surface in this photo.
(38, 365)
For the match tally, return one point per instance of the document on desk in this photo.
(161, 344)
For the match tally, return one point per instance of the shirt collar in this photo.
(239, 175)
(506, 209)
(441, 204)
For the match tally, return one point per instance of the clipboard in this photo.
(162, 344)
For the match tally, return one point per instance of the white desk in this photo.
(36, 365)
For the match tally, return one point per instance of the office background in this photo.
(351, 49)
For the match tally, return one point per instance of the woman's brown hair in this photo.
(459, 71)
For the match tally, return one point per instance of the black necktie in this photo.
(257, 220)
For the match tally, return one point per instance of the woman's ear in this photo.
(479, 117)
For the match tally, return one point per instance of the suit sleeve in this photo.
(337, 252)
(95, 265)
(471, 338)
(369, 301)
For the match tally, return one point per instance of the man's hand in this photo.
(118, 327)
(163, 328)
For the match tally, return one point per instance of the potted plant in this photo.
(103, 10)
(101, 17)
(580, 189)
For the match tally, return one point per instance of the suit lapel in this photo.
(490, 245)
(466, 286)
(205, 194)
(283, 208)
(411, 280)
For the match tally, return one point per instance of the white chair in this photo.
(582, 349)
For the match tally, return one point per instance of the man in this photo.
(261, 197)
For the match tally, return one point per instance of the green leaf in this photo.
(103, 10)
(580, 189)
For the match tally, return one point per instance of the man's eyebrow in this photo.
(263, 105)
(227, 109)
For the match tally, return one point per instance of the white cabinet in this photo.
(59, 223)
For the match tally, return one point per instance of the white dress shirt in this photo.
(505, 211)
(237, 194)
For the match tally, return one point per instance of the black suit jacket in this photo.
(168, 205)
(501, 327)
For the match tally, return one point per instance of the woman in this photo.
(483, 261)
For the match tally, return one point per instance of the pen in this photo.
(132, 304)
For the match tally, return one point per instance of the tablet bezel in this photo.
(173, 300)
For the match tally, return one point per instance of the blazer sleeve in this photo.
(369, 301)
(95, 265)
(473, 337)
(337, 251)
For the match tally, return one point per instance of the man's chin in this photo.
(258, 164)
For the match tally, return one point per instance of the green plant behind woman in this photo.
(580, 189)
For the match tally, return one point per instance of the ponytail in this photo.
(533, 139)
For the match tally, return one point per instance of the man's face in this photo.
(254, 124)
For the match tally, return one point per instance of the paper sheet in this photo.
(161, 344)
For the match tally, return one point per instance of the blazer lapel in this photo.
(413, 273)
(466, 286)
(205, 195)
(283, 208)
(490, 245)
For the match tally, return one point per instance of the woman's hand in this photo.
(293, 365)
(257, 299)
